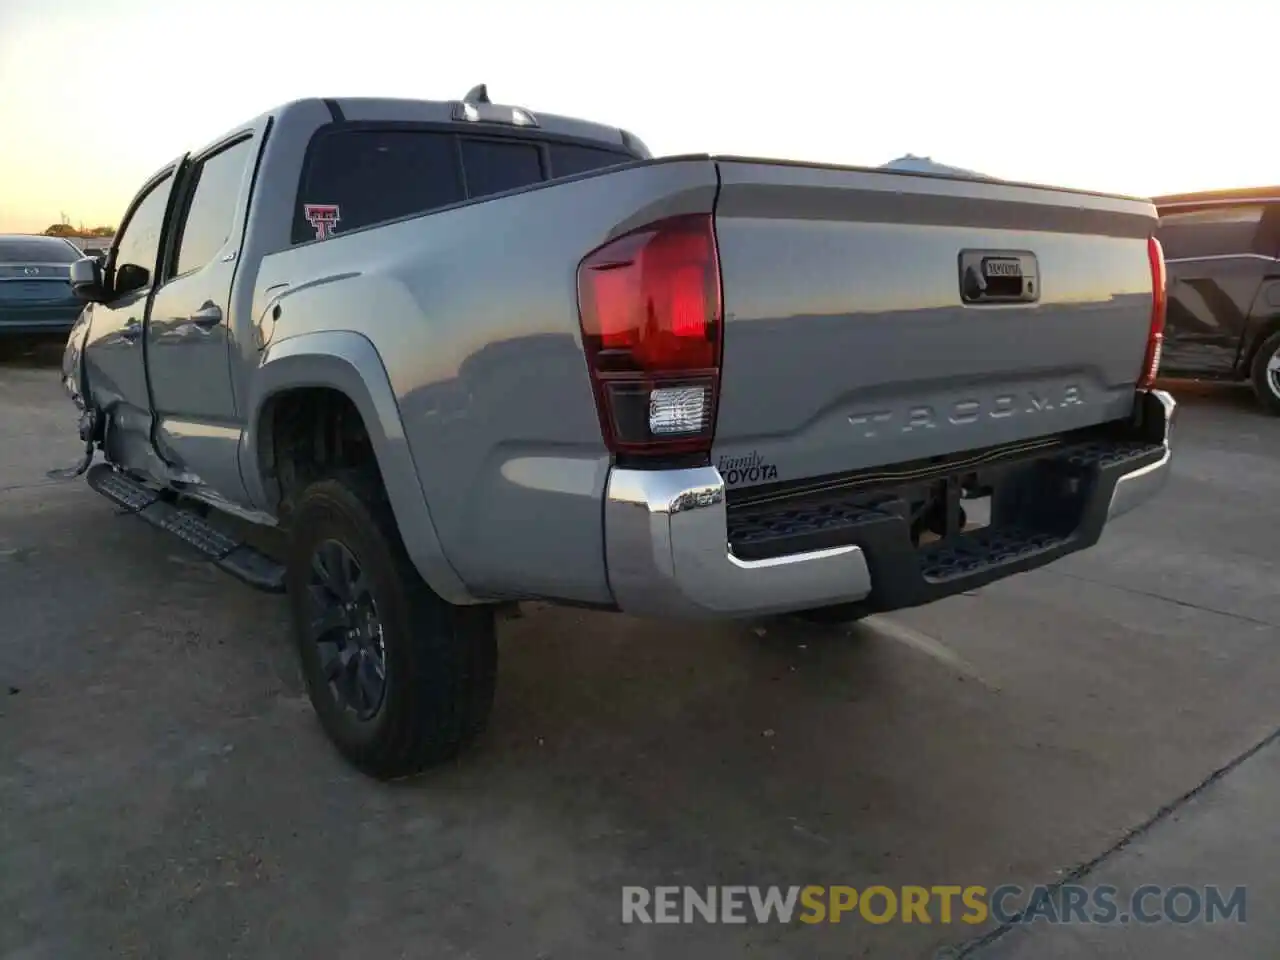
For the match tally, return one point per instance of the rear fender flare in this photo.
(347, 362)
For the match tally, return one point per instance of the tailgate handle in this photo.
(999, 276)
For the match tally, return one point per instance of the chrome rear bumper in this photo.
(668, 552)
(1139, 486)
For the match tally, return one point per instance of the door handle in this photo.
(210, 315)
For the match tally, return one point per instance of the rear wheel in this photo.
(399, 678)
(1266, 374)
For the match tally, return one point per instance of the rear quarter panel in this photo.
(473, 311)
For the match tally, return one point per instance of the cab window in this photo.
(363, 176)
(568, 159)
(493, 166)
(211, 210)
(139, 241)
(356, 178)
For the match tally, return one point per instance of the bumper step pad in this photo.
(985, 548)
(242, 561)
(1029, 527)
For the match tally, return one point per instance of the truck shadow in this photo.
(32, 351)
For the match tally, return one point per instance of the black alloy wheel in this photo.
(400, 679)
(347, 631)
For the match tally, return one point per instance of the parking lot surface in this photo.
(166, 792)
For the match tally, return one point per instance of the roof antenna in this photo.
(477, 94)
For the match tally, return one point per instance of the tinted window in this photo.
(139, 244)
(494, 165)
(213, 206)
(37, 250)
(1209, 233)
(569, 158)
(375, 175)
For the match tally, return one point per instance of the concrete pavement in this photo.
(1225, 835)
(166, 792)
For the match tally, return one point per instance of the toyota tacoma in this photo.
(455, 355)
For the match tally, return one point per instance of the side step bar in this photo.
(237, 558)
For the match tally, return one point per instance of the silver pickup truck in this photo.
(414, 361)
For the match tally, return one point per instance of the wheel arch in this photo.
(1260, 332)
(347, 363)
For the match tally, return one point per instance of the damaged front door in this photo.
(114, 351)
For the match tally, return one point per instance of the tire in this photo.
(438, 661)
(1266, 374)
(836, 615)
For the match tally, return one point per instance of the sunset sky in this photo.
(1125, 96)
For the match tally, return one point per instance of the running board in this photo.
(237, 558)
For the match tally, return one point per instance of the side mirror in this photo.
(130, 277)
(86, 280)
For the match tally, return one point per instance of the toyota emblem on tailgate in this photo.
(31, 272)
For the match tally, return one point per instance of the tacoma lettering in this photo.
(875, 423)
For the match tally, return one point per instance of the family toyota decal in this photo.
(941, 904)
(748, 468)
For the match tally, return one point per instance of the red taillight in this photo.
(651, 325)
(1159, 305)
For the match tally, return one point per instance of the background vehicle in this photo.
(1221, 249)
(463, 355)
(35, 289)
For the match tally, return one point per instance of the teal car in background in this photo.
(35, 294)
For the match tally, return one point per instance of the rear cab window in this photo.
(361, 175)
(356, 178)
(492, 166)
(569, 159)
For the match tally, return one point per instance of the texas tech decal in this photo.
(323, 216)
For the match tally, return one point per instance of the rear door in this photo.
(188, 339)
(1216, 255)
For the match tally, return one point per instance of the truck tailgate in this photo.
(849, 342)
